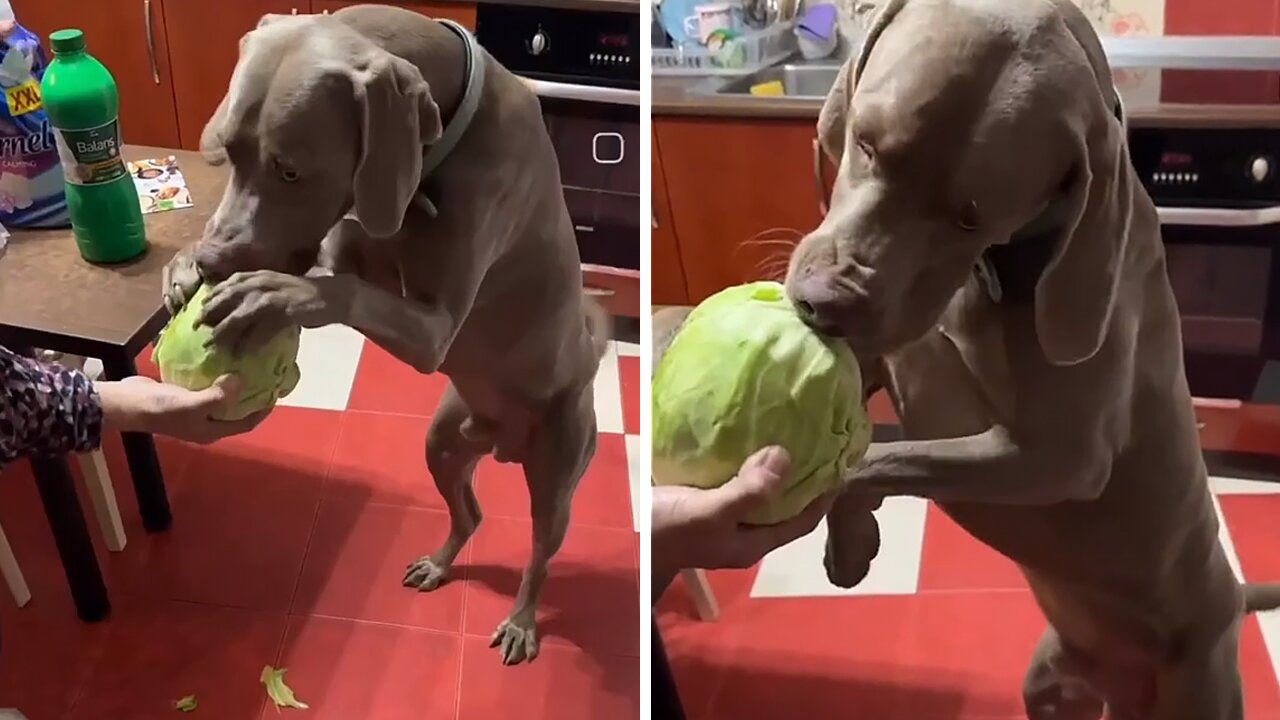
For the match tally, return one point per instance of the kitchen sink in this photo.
(799, 80)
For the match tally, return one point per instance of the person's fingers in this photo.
(222, 393)
(756, 542)
(218, 429)
(800, 525)
(762, 476)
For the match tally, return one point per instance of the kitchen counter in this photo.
(696, 96)
(691, 96)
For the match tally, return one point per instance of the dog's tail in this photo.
(599, 325)
(1260, 597)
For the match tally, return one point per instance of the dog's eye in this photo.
(968, 217)
(865, 148)
(286, 173)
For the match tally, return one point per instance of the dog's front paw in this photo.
(851, 546)
(516, 639)
(425, 574)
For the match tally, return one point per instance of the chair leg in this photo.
(704, 600)
(12, 573)
(93, 466)
(102, 494)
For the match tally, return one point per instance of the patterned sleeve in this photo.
(45, 409)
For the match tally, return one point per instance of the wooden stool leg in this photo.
(12, 573)
(704, 600)
(103, 496)
(97, 478)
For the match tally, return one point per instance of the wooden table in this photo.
(52, 299)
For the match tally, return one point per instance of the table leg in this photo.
(140, 451)
(71, 534)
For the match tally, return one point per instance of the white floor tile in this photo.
(637, 472)
(609, 393)
(328, 359)
(1228, 545)
(796, 570)
(1239, 486)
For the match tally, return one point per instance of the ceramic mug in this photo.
(707, 19)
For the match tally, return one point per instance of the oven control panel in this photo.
(589, 47)
(1204, 167)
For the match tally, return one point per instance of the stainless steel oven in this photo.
(585, 65)
(1214, 174)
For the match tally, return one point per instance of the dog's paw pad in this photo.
(425, 574)
(515, 642)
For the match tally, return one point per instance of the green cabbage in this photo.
(745, 372)
(269, 372)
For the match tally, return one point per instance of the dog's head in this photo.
(960, 122)
(318, 121)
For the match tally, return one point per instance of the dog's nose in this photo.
(827, 306)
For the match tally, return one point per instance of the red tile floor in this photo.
(952, 644)
(287, 549)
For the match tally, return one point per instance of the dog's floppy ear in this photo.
(1077, 292)
(212, 138)
(397, 118)
(833, 120)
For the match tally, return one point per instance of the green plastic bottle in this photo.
(83, 105)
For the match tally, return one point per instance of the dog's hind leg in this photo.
(562, 447)
(1050, 691)
(1205, 684)
(451, 459)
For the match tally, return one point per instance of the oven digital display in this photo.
(613, 41)
(1175, 160)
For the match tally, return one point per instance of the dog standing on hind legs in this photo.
(991, 243)
(396, 155)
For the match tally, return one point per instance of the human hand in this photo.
(140, 404)
(250, 308)
(696, 528)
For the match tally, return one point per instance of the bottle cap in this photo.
(67, 41)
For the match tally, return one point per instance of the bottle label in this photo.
(92, 156)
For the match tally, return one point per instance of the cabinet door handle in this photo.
(653, 220)
(818, 179)
(151, 43)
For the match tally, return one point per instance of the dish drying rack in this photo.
(741, 55)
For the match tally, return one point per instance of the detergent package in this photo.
(31, 178)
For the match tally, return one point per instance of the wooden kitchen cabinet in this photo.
(668, 285)
(204, 43)
(116, 32)
(462, 13)
(739, 191)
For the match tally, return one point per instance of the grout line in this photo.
(462, 658)
(556, 642)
